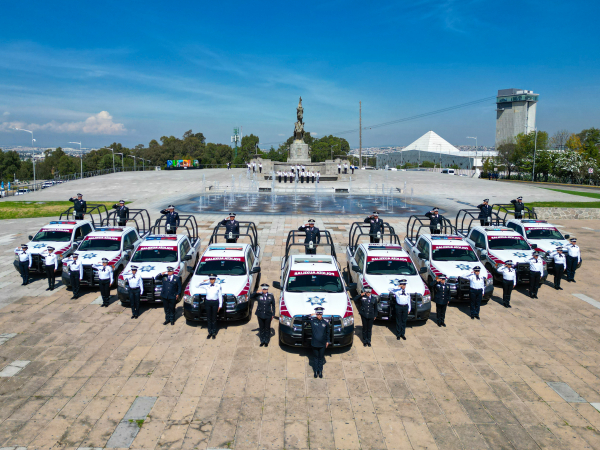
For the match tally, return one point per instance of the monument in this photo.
(299, 151)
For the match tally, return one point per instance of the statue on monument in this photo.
(299, 127)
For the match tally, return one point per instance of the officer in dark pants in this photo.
(265, 311)
(560, 262)
(402, 307)
(75, 274)
(51, 266)
(368, 314)
(122, 213)
(536, 267)
(24, 262)
(172, 219)
(509, 281)
(573, 257)
(79, 205)
(312, 239)
(105, 280)
(476, 288)
(435, 221)
(232, 228)
(212, 304)
(136, 288)
(171, 289)
(519, 207)
(321, 333)
(485, 213)
(441, 299)
(375, 226)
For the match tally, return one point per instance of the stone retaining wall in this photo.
(567, 213)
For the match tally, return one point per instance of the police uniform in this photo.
(80, 207)
(402, 307)
(233, 227)
(105, 279)
(265, 310)
(24, 262)
(536, 267)
(75, 274)
(171, 289)
(441, 299)
(279, 175)
(321, 333)
(136, 288)
(318, 176)
(122, 213)
(352, 167)
(476, 288)
(435, 221)
(260, 168)
(573, 258)
(519, 207)
(375, 226)
(560, 262)
(285, 176)
(51, 266)
(214, 301)
(172, 220)
(485, 213)
(313, 234)
(368, 314)
(509, 281)
(339, 169)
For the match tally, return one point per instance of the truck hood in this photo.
(151, 269)
(516, 256)
(381, 284)
(548, 245)
(304, 303)
(95, 258)
(234, 285)
(38, 247)
(456, 268)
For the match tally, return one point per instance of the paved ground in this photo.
(79, 376)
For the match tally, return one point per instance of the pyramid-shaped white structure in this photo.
(432, 142)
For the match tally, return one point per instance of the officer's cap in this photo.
(50, 248)
(122, 201)
(375, 213)
(436, 209)
(170, 269)
(476, 268)
(508, 263)
(171, 206)
(105, 260)
(231, 214)
(133, 267)
(319, 310)
(264, 286)
(212, 276)
(311, 220)
(573, 239)
(536, 253)
(79, 195)
(560, 249)
(24, 245)
(486, 200)
(402, 281)
(442, 277)
(519, 198)
(368, 289)
(75, 255)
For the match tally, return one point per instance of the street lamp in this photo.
(122, 161)
(33, 155)
(134, 160)
(440, 151)
(534, 150)
(471, 137)
(113, 155)
(80, 156)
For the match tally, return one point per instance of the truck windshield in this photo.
(221, 267)
(508, 243)
(101, 245)
(454, 254)
(154, 255)
(391, 268)
(543, 233)
(315, 283)
(52, 236)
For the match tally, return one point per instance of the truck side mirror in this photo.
(30, 237)
(421, 255)
(187, 257)
(423, 270)
(483, 252)
(351, 286)
(255, 269)
(129, 247)
(567, 236)
(190, 269)
(355, 268)
(277, 285)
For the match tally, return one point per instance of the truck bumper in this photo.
(195, 312)
(293, 338)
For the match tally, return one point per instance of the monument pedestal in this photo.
(299, 153)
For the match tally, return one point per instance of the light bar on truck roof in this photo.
(533, 221)
(161, 238)
(497, 229)
(62, 222)
(310, 261)
(443, 238)
(226, 248)
(383, 247)
(110, 229)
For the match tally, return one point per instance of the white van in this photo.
(449, 171)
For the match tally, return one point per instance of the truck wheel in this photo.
(116, 277)
(348, 277)
(125, 304)
(488, 267)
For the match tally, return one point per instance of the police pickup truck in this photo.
(237, 267)
(381, 266)
(541, 235)
(444, 254)
(308, 281)
(63, 235)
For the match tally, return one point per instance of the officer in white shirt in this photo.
(318, 175)
(560, 262)
(302, 175)
(536, 267)
(345, 168)
(105, 277)
(509, 281)
(136, 288)
(339, 169)
(573, 259)
(285, 175)
(279, 175)
(401, 308)
(51, 266)
(476, 288)
(212, 304)
(75, 274)
(260, 167)
(24, 258)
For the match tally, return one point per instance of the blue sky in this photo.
(134, 71)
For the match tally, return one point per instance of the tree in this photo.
(10, 163)
(507, 156)
(559, 139)
(590, 140)
(573, 143)
(248, 149)
(525, 146)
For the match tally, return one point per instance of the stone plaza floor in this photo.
(74, 375)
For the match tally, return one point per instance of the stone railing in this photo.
(567, 213)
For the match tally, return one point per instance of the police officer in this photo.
(122, 213)
(279, 175)
(536, 267)
(318, 175)
(302, 175)
(171, 289)
(75, 274)
(560, 262)
(265, 311)
(485, 212)
(24, 262)
(375, 226)
(79, 205)
(313, 237)
(339, 169)
(213, 304)
(441, 299)
(51, 266)
(105, 279)
(172, 219)
(435, 221)
(229, 166)
(232, 228)
(321, 333)
(260, 167)
(136, 288)
(401, 308)
(345, 168)
(509, 281)
(368, 314)
(285, 176)
(573, 258)
(476, 288)
(519, 207)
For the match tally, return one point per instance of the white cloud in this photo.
(6, 113)
(101, 123)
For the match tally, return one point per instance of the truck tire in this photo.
(489, 268)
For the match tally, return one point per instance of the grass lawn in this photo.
(581, 194)
(27, 210)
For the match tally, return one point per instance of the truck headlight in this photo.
(347, 321)
(426, 298)
(242, 299)
(285, 320)
(188, 299)
(489, 281)
(122, 283)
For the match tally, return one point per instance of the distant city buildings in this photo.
(515, 113)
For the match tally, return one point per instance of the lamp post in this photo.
(534, 150)
(80, 156)
(113, 155)
(122, 161)
(134, 158)
(440, 151)
(33, 155)
(470, 137)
